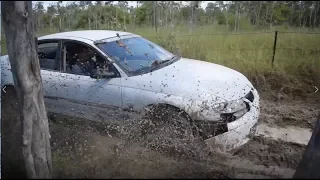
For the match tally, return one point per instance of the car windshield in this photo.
(137, 55)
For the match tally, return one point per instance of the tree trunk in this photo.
(304, 21)
(21, 46)
(315, 14)
(191, 21)
(267, 13)
(227, 17)
(166, 14)
(310, 24)
(258, 15)
(51, 22)
(60, 29)
(271, 16)
(116, 18)
(235, 17)
(300, 14)
(155, 14)
(239, 14)
(124, 21)
(135, 16)
(89, 21)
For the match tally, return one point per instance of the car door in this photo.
(50, 64)
(83, 88)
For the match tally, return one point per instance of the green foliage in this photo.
(141, 15)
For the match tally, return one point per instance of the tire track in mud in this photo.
(269, 152)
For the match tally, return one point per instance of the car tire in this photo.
(174, 133)
(173, 116)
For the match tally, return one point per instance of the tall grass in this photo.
(296, 67)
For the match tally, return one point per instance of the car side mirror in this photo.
(103, 74)
(106, 75)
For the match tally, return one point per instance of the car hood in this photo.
(194, 79)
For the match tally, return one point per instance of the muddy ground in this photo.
(82, 149)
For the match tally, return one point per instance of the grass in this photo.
(296, 63)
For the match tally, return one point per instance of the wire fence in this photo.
(272, 47)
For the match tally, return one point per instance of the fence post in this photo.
(274, 46)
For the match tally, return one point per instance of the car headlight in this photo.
(230, 107)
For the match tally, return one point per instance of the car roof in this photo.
(93, 35)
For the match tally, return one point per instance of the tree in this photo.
(194, 5)
(17, 18)
(98, 3)
(61, 11)
(124, 5)
(210, 10)
(38, 11)
(51, 11)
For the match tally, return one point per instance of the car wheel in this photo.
(173, 133)
(174, 117)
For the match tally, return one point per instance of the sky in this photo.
(131, 3)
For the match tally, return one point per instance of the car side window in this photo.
(83, 60)
(47, 53)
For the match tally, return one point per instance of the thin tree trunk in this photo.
(51, 22)
(135, 16)
(154, 15)
(166, 14)
(21, 46)
(60, 24)
(310, 24)
(227, 17)
(271, 16)
(300, 15)
(267, 14)
(89, 21)
(239, 14)
(124, 21)
(39, 23)
(235, 17)
(291, 14)
(315, 14)
(258, 15)
(191, 21)
(116, 18)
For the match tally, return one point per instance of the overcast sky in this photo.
(131, 3)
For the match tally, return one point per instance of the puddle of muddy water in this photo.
(289, 134)
(289, 113)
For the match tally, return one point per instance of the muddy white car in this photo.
(125, 70)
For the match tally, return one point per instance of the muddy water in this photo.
(289, 113)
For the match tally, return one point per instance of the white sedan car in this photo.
(125, 70)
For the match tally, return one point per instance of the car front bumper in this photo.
(239, 131)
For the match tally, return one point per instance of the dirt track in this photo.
(82, 149)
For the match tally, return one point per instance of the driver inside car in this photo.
(83, 62)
